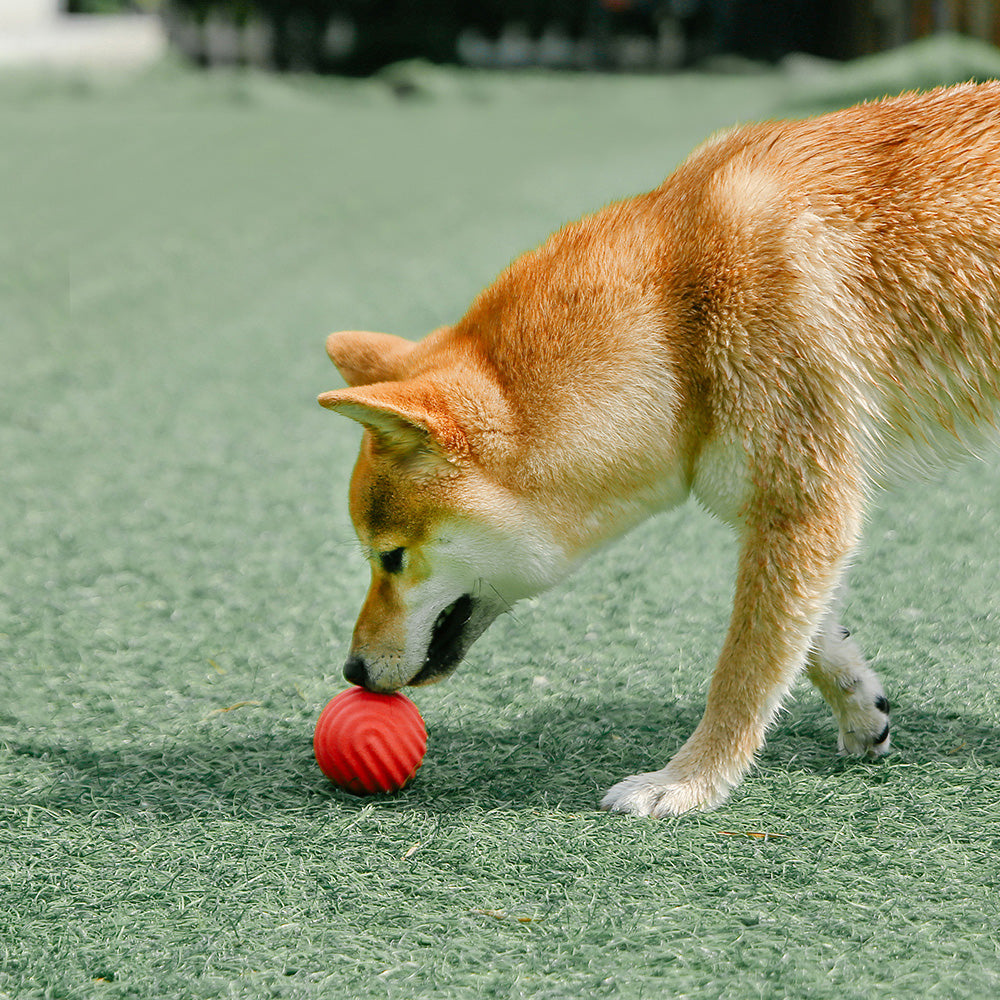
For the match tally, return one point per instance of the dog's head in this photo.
(450, 547)
(499, 451)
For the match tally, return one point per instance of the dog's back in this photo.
(856, 256)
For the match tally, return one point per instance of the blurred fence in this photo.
(359, 36)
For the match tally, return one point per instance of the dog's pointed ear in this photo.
(363, 358)
(407, 418)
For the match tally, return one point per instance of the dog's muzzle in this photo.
(455, 629)
(450, 638)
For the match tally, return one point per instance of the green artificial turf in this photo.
(179, 579)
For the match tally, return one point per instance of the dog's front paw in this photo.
(661, 793)
(864, 725)
(853, 691)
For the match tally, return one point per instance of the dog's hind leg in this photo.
(851, 688)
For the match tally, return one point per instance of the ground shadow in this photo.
(562, 755)
(174, 778)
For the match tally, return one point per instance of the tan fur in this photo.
(799, 311)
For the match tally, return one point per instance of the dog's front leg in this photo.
(788, 571)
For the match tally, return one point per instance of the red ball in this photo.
(368, 743)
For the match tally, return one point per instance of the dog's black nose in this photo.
(355, 671)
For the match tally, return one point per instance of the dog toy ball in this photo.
(367, 743)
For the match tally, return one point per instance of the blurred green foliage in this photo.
(112, 6)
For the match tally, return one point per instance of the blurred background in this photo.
(358, 37)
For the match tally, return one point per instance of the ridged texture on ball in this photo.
(368, 743)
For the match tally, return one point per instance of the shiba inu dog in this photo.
(797, 313)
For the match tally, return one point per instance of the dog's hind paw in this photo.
(660, 794)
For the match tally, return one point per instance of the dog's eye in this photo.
(392, 561)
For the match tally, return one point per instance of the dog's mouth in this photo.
(451, 636)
